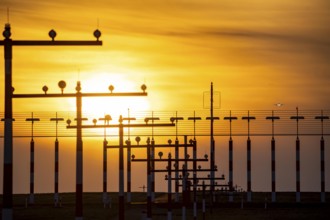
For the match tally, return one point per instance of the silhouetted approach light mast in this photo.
(8, 43)
(31, 196)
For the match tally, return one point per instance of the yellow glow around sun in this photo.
(114, 106)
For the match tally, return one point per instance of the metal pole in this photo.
(249, 193)
(211, 143)
(56, 174)
(273, 156)
(195, 177)
(176, 170)
(297, 118)
(231, 171)
(152, 152)
(248, 144)
(297, 170)
(152, 177)
(273, 170)
(322, 171)
(322, 156)
(31, 195)
(184, 192)
(121, 201)
(105, 164)
(230, 182)
(176, 119)
(273, 165)
(79, 156)
(105, 199)
(204, 205)
(129, 167)
(169, 191)
(149, 196)
(7, 210)
(185, 150)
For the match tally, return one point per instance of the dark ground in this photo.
(285, 207)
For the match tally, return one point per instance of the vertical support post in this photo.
(212, 163)
(273, 165)
(128, 143)
(195, 177)
(176, 164)
(194, 164)
(169, 188)
(297, 170)
(322, 118)
(79, 156)
(176, 170)
(231, 174)
(185, 151)
(105, 198)
(204, 205)
(56, 177)
(129, 166)
(152, 156)
(56, 173)
(31, 195)
(7, 209)
(149, 196)
(121, 201)
(105, 164)
(297, 118)
(231, 155)
(322, 171)
(248, 159)
(184, 192)
(273, 170)
(249, 193)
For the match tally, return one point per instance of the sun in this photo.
(97, 107)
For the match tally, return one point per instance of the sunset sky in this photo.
(257, 53)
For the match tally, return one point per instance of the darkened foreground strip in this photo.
(260, 208)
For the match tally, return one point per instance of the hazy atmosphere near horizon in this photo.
(257, 53)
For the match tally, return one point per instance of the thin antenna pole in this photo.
(273, 124)
(194, 126)
(322, 123)
(176, 126)
(128, 123)
(78, 74)
(7, 15)
(152, 128)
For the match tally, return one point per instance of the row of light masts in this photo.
(78, 95)
(121, 127)
(150, 148)
(107, 118)
(273, 118)
(176, 170)
(176, 119)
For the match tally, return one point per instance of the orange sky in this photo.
(256, 52)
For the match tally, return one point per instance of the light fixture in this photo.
(52, 34)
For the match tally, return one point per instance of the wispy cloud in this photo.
(283, 45)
